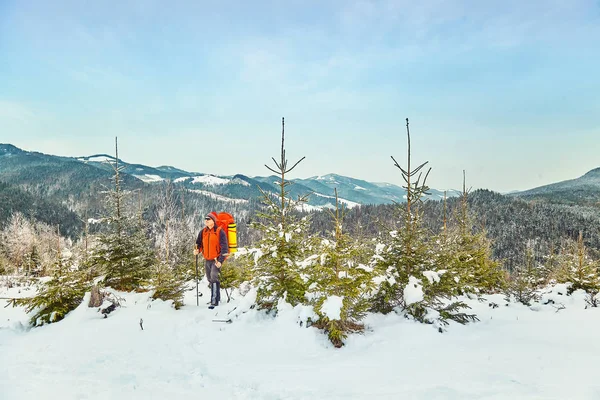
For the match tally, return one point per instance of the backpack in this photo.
(226, 222)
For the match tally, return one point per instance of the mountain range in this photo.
(31, 169)
(584, 190)
(68, 180)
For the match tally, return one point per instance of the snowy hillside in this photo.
(515, 352)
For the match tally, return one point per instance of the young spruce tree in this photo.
(337, 276)
(236, 272)
(410, 263)
(277, 263)
(526, 279)
(576, 267)
(58, 296)
(125, 255)
(468, 255)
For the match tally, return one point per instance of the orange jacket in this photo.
(212, 243)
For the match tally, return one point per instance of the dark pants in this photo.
(212, 275)
(211, 270)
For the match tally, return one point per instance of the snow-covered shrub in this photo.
(339, 286)
(168, 284)
(58, 296)
(577, 267)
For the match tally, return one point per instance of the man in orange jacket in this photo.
(212, 243)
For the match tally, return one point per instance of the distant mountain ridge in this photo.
(14, 163)
(584, 190)
(29, 169)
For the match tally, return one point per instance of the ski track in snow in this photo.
(512, 353)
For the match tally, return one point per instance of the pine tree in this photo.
(551, 263)
(468, 255)
(57, 297)
(338, 274)
(34, 264)
(526, 279)
(234, 273)
(278, 261)
(167, 284)
(125, 254)
(413, 277)
(576, 267)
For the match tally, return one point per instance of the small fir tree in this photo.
(278, 260)
(124, 253)
(409, 262)
(551, 263)
(167, 284)
(468, 255)
(338, 273)
(34, 263)
(575, 266)
(526, 279)
(57, 297)
(234, 273)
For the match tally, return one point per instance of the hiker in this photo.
(212, 243)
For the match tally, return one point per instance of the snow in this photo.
(182, 179)
(239, 181)
(307, 207)
(349, 204)
(148, 178)
(96, 159)
(413, 292)
(330, 178)
(218, 196)
(432, 276)
(332, 307)
(210, 180)
(514, 352)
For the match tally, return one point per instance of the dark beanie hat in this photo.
(213, 216)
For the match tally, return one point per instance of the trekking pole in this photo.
(197, 299)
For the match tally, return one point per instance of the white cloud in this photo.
(11, 111)
(470, 23)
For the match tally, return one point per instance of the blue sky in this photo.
(507, 90)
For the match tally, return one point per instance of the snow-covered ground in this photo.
(514, 352)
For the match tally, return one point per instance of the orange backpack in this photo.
(226, 222)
